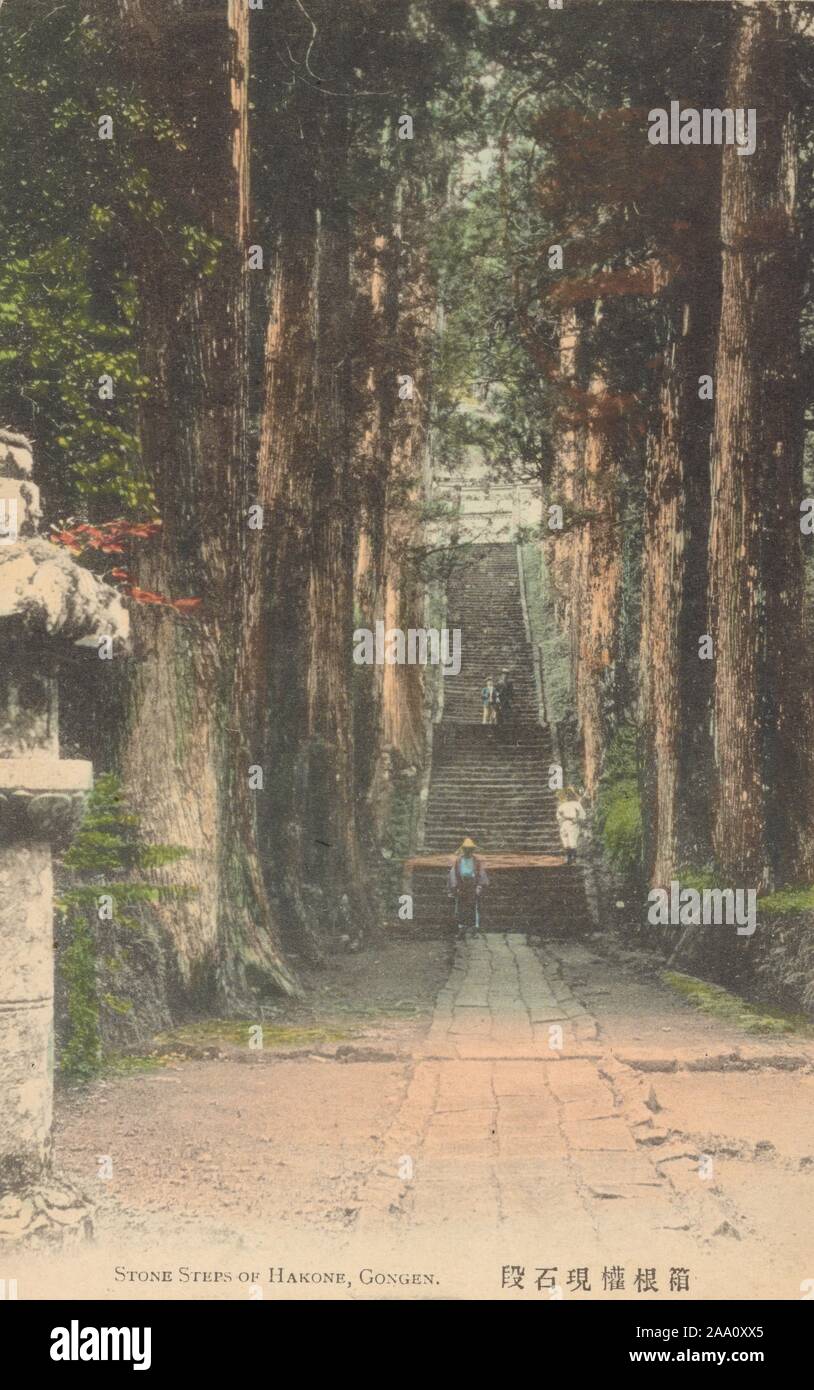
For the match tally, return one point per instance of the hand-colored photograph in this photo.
(407, 654)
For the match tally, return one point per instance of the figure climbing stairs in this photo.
(491, 782)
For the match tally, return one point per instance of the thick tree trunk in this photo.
(282, 573)
(337, 859)
(675, 684)
(403, 689)
(761, 705)
(375, 395)
(789, 669)
(188, 744)
(597, 584)
(584, 559)
(562, 546)
(307, 486)
(400, 306)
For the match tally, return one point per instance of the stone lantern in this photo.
(48, 603)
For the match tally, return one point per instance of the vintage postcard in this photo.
(406, 661)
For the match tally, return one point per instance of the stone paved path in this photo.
(517, 1120)
(559, 1109)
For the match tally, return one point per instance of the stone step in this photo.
(481, 754)
(536, 817)
(472, 656)
(490, 840)
(479, 740)
(455, 687)
(481, 789)
(507, 779)
(488, 834)
(545, 904)
(526, 774)
(488, 829)
(531, 764)
(469, 802)
(517, 808)
(469, 805)
(531, 771)
(485, 832)
(490, 781)
(507, 810)
(442, 808)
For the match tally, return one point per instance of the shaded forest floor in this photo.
(412, 1119)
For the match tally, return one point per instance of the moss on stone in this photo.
(717, 1001)
(214, 1031)
(788, 900)
(618, 805)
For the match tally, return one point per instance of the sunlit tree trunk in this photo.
(283, 564)
(191, 725)
(375, 396)
(332, 555)
(762, 701)
(562, 545)
(598, 584)
(401, 305)
(417, 323)
(307, 483)
(675, 684)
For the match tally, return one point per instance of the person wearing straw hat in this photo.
(467, 879)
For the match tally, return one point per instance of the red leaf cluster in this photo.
(111, 538)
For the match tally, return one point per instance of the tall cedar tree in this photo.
(339, 452)
(762, 704)
(192, 720)
(639, 223)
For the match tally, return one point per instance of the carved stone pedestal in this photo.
(40, 804)
(45, 600)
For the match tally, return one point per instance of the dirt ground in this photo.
(430, 1122)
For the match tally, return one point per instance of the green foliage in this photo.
(109, 841)
(699, 878)
(236, 1033)
(618, 809)
(55, 349)
(788, 900)
(82, 1053)
(546, 632)
(622, 829)
(107, 848)
(66, 301)
(490, 397)
(715, 1000)
(76, 207)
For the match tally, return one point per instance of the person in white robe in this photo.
(570, 819)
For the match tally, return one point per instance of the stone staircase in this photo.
(491, 782)
(483, 600)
